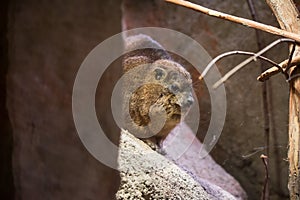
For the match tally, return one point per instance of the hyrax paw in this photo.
(155, 147)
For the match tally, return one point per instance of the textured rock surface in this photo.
(242, 140)
(145, 174)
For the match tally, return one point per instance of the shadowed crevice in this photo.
(6, 137)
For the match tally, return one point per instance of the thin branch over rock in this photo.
(239, 20)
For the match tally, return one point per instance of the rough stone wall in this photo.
(48, 41)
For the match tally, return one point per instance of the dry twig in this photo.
(252, 58)
(265, 194)
(263, 27)
(216, 59)
(291, 56)
(239, 20)
(274, 70)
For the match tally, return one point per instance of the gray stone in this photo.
(145, 174)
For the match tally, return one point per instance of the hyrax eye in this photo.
(159, 73)
(174, 88)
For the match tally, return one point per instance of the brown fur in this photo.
(165, 86)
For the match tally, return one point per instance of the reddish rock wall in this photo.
(48, 41)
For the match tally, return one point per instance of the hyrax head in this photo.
(176, 80)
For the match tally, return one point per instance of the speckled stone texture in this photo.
(145, 174)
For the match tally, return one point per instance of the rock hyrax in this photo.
(158, 91)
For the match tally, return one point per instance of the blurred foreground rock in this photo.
(146, 174)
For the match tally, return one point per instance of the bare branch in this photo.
(265, 194)
(210, 65)
(247, 61)
(274, 70)
(268, 73)
(293, 77)
(239, 20)
(291, 56)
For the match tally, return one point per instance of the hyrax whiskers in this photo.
(157, 91)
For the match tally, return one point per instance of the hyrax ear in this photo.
(134, 61)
